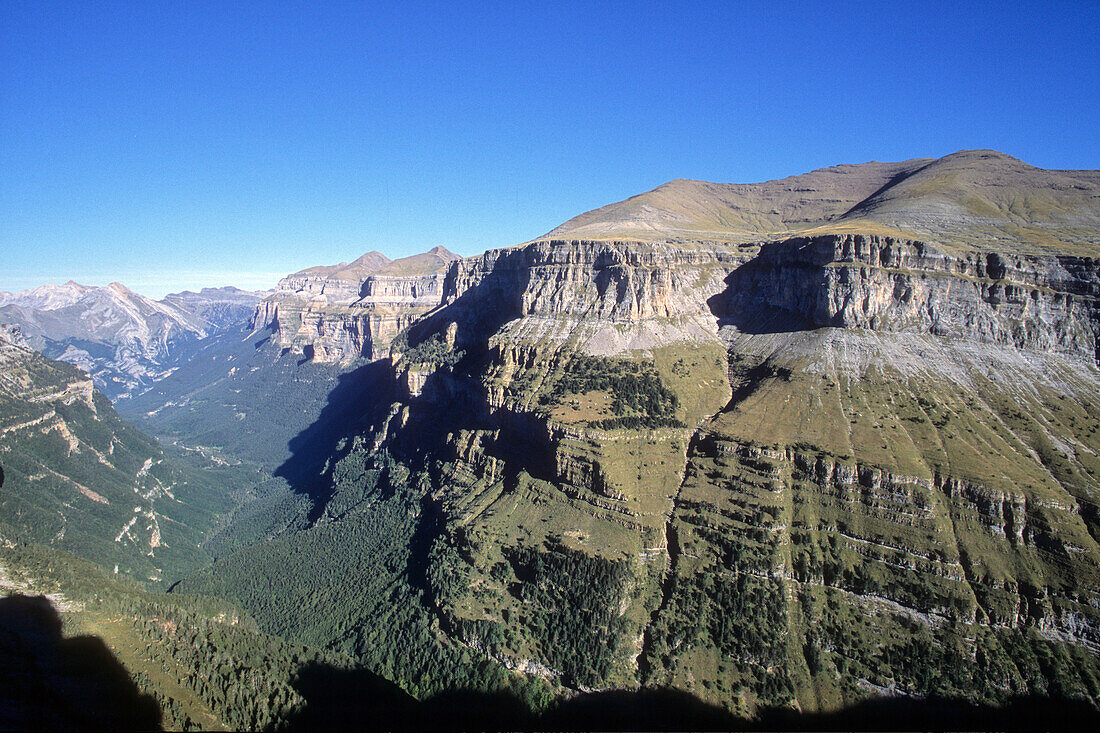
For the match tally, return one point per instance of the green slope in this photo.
(201, 660)
(79, 478)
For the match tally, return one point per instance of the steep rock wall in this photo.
(882, 283)
(337, 320)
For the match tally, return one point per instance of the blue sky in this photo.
(170, 145)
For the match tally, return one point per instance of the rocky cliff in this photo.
(345, 312)
(1041, 302)
(607, 297)
(797, 470)
(914, 394)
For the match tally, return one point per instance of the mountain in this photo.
(973, 199)
(343, 312)
(124, 340)
(793, 445)
(78, 478)
(218, 309)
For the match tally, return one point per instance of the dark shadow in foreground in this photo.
(337, 699)
(48, 682)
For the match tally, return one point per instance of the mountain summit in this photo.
(123, 339)
(973, 198)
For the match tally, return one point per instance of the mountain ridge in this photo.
(798, 470)
(874, 196)
(125, 340)
(766, 461)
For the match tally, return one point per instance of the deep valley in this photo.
(758, 451)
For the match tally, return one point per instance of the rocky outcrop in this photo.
(610, 297)
(887, 284)
(342, 313)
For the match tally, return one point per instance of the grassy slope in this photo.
(734, 570)
(77, 476)
(202, 659)
(885, 526)
(971, 199)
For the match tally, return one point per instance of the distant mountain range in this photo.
(124, 340)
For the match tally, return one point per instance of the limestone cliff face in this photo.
(341, 313)
(890, 446)
(882, 283)
(614, 297)
(611, 295)
(613, 281)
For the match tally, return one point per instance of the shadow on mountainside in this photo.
(750, 301)
(336, 699)
(449, 402)
(360, 397)
(483, 307)
(48, 682)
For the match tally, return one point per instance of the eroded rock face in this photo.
(773, 470)
(613, 297)
(885, 284)
(341, 313)
(895, 450)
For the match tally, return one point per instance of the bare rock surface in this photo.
(123, 339)
(343, 312)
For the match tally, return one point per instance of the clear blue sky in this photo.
(170, 145)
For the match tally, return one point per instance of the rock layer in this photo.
(881, 283)
(347, 312)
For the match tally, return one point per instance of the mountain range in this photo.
(123, 339)
(790, 446)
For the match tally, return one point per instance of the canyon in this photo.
(783, 446)
(795, 467)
